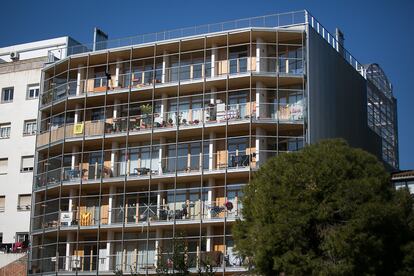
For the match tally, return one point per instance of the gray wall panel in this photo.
(337, 98)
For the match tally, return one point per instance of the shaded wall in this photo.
(337, 98)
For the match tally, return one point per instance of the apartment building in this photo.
(20, 72)
(149, 144)
(404, 179)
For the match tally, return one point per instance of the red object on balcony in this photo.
(229, 205)
(17, 247)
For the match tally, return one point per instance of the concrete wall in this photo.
(337, 98)
(15, 182)
(37, 48)
(19, 74)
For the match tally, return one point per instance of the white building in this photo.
(20, 72)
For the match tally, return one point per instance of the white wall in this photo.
(36, 49)
(15, 182)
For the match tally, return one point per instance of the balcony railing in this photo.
(197, 117)
(183, 73)
(137, 261)
(139, 213)
(145, 167)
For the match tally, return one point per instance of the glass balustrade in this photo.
(144, 256)
(213, 114)
(191, 163)
(187, 72)
(138, 213)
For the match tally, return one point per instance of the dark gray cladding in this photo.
(337, 98)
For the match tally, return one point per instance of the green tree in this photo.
(176, 262)
(328, 209)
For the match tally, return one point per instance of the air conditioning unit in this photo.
(14, 55)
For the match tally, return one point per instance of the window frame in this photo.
(3, 90)
(25, 123)
(29, 169)
(22, 233)
(25, 207)
(35, 86)
(3, 208)
(7, 166)
(4, 126)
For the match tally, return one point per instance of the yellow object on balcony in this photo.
(78, 128)
(85, 219)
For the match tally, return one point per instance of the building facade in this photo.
(143, 150)
(20, 72)
(404, 179)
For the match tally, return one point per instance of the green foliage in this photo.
(206, 267)
(177, 262)
(180, 256)
(146, 108)
(328, 209)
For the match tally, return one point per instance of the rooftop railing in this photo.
(331, 39)
(269, 21)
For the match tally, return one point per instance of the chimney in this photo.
(339, 35)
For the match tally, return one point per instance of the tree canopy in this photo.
(328, 209)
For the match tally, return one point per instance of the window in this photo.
(410, 185)
(4, 162)
(24, 202)
(29, 127)
(7, 95)
(22, 237)
(5, 130)
(27, 163)
(33, 91)
(2, 203)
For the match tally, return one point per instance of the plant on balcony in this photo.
(170, 122)
(146, 110)
(206, 267)
(177, 262)
(132, 269)
(136, 125)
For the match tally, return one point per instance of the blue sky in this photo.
(378, 31)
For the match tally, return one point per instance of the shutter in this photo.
(3, 165)
(24, 200)
(27, 162)
(2, 202)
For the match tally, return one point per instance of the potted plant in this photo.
(184, 121)
(146, 109)
(170, 121)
